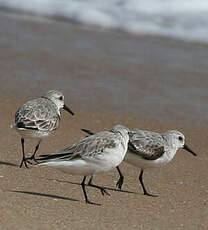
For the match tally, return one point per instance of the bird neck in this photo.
(171, 148)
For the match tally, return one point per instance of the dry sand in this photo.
(41, 198)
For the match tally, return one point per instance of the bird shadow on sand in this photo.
(8, 163)
(75, 183)
(42, 194)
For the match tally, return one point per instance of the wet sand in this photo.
(103, 71)
(41, 198)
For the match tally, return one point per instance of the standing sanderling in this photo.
(147, 149)
(93, 154)
(37, 118)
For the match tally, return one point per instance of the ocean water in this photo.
(105, 72)
(181, 19)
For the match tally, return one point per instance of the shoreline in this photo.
(107, 78)
(34, 16)
(105, 71)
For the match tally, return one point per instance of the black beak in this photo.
(68, 110)
(189, 150)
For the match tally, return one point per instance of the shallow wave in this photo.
(184, 19)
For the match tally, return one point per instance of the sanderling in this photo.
(37, 118)
(148, 149)
(93, 154)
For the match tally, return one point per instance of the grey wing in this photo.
(37, 114)
(91, 146)
(146, 144)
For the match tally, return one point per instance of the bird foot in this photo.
(104, 192)
(119, 183)
(24, 161)
(90, 202)
(149, 194)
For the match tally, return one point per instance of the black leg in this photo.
(121, 178)
(33, 156)
(85, 193)
(23, 154)
(143, 187)
(102, 190)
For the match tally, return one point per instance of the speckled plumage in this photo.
(38, 118)
(92, 148)
(148, 149)
(39, 114)
(146, 144)
(94, 154)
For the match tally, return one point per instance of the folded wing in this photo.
(88, 147)
(146, 144)
(37, 114)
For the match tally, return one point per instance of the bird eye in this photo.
(61, 98)
(180, 138)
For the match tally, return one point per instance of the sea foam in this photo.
(183, 19)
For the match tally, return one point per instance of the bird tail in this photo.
(45, 158)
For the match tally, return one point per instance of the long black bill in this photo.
(68, 110)
(189, 150)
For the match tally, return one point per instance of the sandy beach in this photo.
(105, 77)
